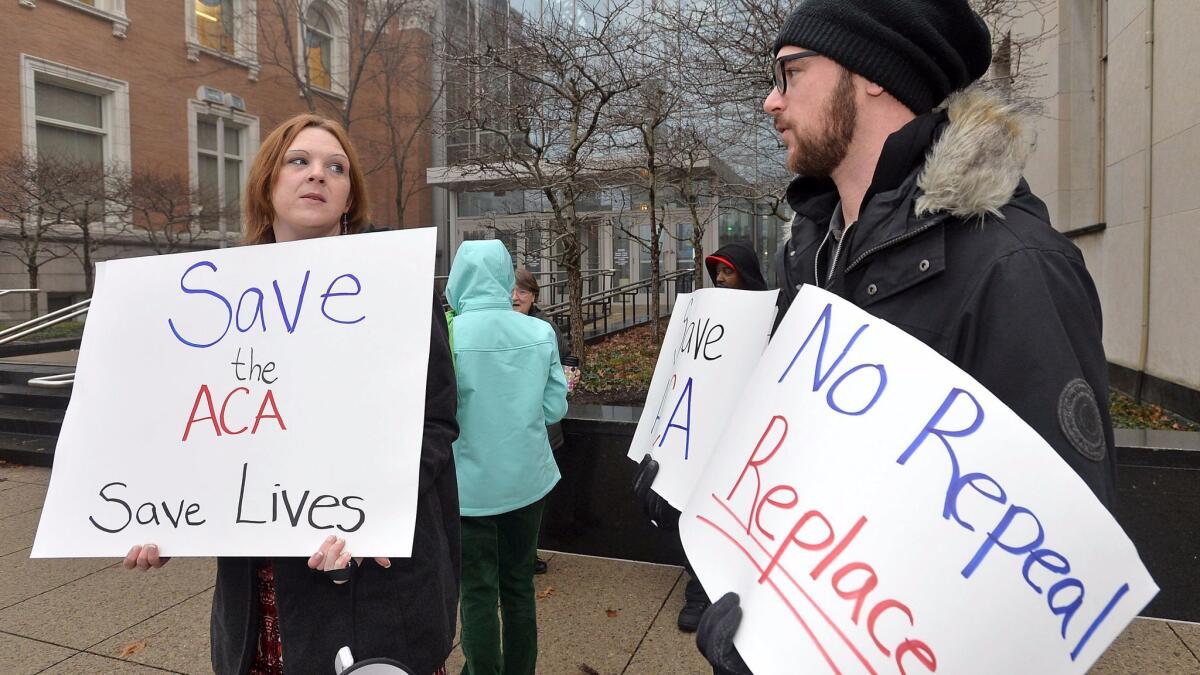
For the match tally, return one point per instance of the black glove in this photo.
(663, 515)
(714, 637)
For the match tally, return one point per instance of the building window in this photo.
(111, 10)
(325, 50)
(318, 48)
(223, 142)
(73, 115)
(215, 25)
(223, 28)
(70, 124)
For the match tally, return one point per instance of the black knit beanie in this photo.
(920, 51)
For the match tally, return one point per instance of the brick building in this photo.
(188, 88)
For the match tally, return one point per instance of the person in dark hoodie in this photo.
(736, 265)
(733, 266)
(912, 206)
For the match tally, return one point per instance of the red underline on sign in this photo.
(778, 592)
(745, 529)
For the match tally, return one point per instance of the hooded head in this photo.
(741, 258)
(481, 277)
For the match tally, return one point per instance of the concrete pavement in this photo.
(595, 616)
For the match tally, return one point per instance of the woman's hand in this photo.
(144, 557)
(333, 557)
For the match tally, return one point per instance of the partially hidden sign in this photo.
(879, 511)
(712, 342)
(248, 402)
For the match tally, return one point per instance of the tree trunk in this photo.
(32, 269)
(572, 260)
(698, 268)
(89, 273)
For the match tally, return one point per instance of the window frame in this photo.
(245, 38)
(249, 130)
(337, 14)
(114, 102)
(111, 10)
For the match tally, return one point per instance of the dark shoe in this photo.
(689, 616)
(540, 567)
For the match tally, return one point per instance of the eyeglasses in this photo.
(523, 292)
(778, 76)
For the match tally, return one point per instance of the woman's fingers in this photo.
(143, 557)
(333, 556)
(317, 560)
(336, 558)
(131, 558)
(152, 557)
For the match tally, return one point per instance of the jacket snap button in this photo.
(924, 265)
(872, 289)
(791, 254)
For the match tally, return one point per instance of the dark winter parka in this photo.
(406, 612)
(952, 247)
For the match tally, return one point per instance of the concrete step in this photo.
(20, 373)
(30, 420)
(32, 449)
(22, 395)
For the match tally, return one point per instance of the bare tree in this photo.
(161, 207)
(539, 90)
(87, 207)
(299, 41)
(410, 99)
(31, 194)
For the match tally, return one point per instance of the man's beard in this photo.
(818, 155)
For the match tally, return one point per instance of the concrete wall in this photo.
(1091, 167)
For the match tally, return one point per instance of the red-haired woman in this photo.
(291, 615)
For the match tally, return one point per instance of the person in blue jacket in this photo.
(510, 386)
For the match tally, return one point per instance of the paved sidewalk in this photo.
(595, 616)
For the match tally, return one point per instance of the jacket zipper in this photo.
(837, 254)
(817, 261)
(892, 242)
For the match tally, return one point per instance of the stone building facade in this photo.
(1118, 142)
(190, 87)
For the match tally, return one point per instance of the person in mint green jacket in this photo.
(510, 386)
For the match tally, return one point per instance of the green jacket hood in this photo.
(481, 277)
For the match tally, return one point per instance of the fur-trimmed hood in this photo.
(969, 164)
(974, 167)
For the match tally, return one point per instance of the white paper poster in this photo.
(709, 350)
(248, 402)
(879, 511)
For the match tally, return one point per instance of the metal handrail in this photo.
(40, 323)
(53, 381)
(553, 290)
(45, 321)
(597, 306)
(632, 286)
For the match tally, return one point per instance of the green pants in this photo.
(498, 553)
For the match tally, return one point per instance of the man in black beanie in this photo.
(910, 204)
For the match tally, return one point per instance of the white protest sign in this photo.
(709, 350)
(879, 511)
(248, 402)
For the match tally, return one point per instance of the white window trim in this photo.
(337, 12)
(249, 150)
(112, 10)
(245, 42)
(114, 99)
